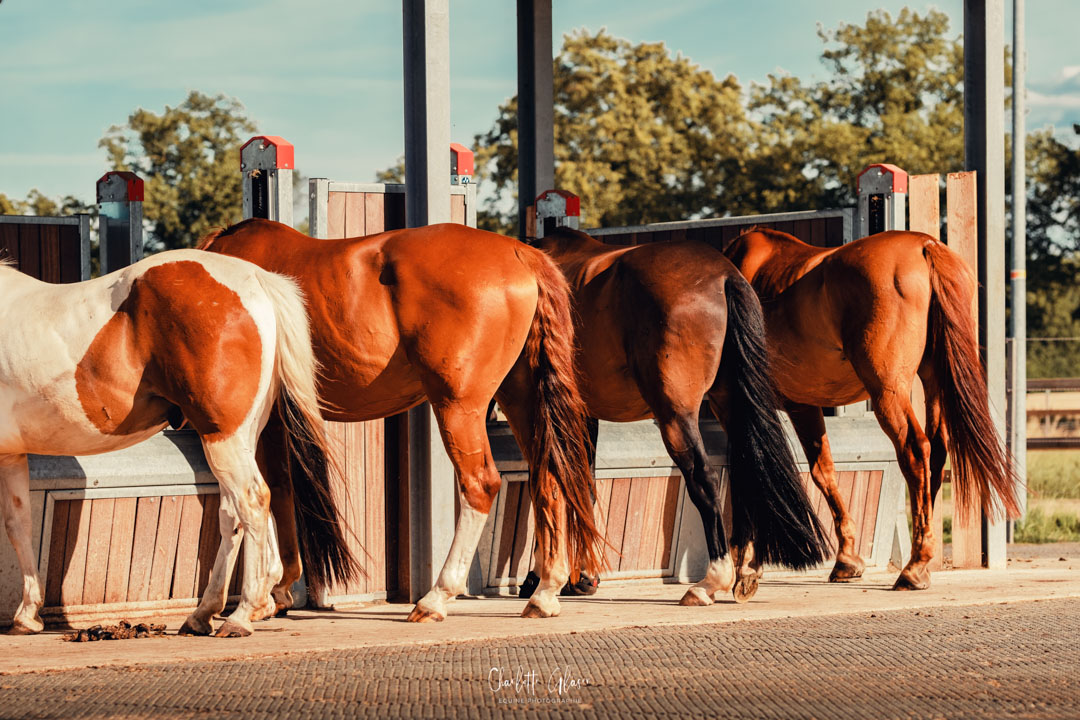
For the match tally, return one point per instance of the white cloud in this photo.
(1038, 99)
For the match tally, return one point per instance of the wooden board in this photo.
(97, 550)
(924, 204)
(962, 229)
(146, 524)
(78, 535)
(120, 548)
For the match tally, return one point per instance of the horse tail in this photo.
(319, 523)
(769, 502)
(559, 449)
(982, 469)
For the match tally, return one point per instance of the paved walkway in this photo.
(990, 661)
(978, 644)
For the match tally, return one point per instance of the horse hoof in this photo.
(232, 630)
(745, 588)
(907, 581)
(420, 615)
(195, 627)
(846, 570)
(533, 610)
(265, 612)
(281, 610)
(26, 627)
(695, 597)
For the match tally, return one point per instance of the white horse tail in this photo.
(320, 526)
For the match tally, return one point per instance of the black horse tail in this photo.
(769, 502)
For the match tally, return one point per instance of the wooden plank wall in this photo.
(860, 490)
(47, 252)
(636, 514)
(363, 445)
(128, 549)
(823, 232)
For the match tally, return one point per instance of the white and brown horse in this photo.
(104, 364)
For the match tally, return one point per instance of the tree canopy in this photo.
(189, 158)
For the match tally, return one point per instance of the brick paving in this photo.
(1020, 659)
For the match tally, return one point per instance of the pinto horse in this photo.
(861, 321)
(456, 316)
(662, 328)
(104, 364)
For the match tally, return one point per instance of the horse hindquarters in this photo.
(290, 380)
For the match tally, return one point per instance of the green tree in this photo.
(189, 158)
(894, 93)
(641, 135)
(393, 174)
(41, 205)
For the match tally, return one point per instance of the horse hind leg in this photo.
(679, 430)
(246, 494)
(913, 452)
(809, 424)
(274, 462)
(550, 554)
(465, 437)
(15, 501)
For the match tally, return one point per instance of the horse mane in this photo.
(769, 232)
(208, 239)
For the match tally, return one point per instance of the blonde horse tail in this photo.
(559, 454)
(320, 527)
(982, 470)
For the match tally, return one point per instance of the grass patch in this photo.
(1039, 527)
(1054, 473)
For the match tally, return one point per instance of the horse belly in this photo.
(36, 424)
(371, 390)
(609, 388)
(820, 377)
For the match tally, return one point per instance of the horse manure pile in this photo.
(121, 631)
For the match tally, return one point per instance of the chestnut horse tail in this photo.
(319, 524)
(559, 454)
(769, 502)
(980, 461)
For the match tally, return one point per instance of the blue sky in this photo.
(326, 74)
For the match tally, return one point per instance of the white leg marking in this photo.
(719, 578)
(15, 500)
(455, 571)
(238, 476)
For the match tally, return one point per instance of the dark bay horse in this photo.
(104, 364)
(662, 328)
(860, 321)
(455, 316)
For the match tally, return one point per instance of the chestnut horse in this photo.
(456, 316)
(661, 328)
(104, 364)
(860, 321)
